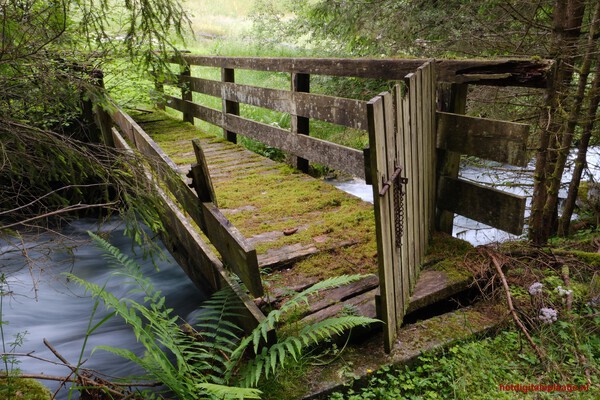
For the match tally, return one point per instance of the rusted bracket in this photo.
(386, 185)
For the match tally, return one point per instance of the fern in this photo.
(267, 360)
(208, 358)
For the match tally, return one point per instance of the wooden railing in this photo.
(304, 106)
(182, 239)
(414, 152)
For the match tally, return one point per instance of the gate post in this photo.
(451, 98)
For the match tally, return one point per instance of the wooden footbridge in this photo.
(228, 210)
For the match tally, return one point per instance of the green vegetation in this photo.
(211, 359)
(479, 369)
(23, 389)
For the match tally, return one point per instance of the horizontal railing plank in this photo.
(492, 207)
(505, 72)
(207, 114)
(337, 110)
(316, 150)
(501, 141)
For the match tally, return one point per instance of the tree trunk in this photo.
(567, 16)
(580, 161)
(563, 150)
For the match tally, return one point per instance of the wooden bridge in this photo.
(279, 230)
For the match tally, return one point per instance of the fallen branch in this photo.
(498, 265)
(567, 281)
(75, 380)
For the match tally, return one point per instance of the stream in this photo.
(504, 177)
(39, 302)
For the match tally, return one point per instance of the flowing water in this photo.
(39, 302)
(506, 178)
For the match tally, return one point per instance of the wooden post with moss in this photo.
(300, 125)
(186, 93)
(229, 107)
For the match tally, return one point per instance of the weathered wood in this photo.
(201, 176)
(501, 141)
(451, 98)
(299, 123)
(417, 172)
(200, 85)
(524, 73)
(298, 102)
(104, 122)
(287, 255)
(207, 114)
(487, 205)
(236, 252)
(195, 256)
(398, 296)
(339, 294)
(186, 94)
(383, 219)
(316, 150)
(404, 154)
(229, 106)
(364, 304)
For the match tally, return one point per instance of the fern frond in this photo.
(227, 393)
(267, 361)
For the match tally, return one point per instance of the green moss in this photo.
(23, 389)
(277, 198)
(592, 259)
(446, 246)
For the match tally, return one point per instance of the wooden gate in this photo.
(402, 160)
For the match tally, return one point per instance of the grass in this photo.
(476, 369)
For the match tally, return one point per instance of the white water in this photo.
(506, 178)
(59, 310)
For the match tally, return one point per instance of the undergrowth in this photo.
(556, 296)
(211, 359)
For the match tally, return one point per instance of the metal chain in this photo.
(397, 182)
(399, 209)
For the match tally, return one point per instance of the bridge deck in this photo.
(303, 228)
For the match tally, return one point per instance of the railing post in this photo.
(186, 93)
(451, 98)
(300, 125)
(229, 107)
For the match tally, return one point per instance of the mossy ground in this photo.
(23, 389)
